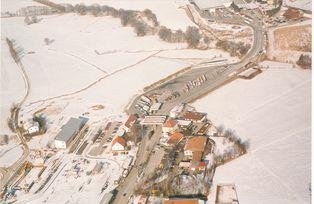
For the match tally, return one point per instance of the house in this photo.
(130, 122)
(194, 116)
(175, 111)
(118, 144)
(293, 14)
(212, 5)
(31, 126)
(170, 126)
(69, 131)
(154, 120)
(195, 144)
(187, 124)
(175, 138)
(155, 107)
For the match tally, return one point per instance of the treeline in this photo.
(234, 48)
(144, 23)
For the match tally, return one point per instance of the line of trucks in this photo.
(195, 83)
(143, 105)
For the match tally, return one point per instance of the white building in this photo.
(118, 144)
(175, 111)
(212, 5)
(31, 126)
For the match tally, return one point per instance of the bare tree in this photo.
(192, 36)
(165, 34)
(140, 29)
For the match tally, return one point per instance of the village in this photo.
(148, 142)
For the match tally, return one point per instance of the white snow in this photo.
(169, 12)
(12, 87)
(273, 112)
(10, 154)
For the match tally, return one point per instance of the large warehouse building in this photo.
(211, 5)
(69, 131)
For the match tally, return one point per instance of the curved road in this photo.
(218, 76)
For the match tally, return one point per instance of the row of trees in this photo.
(234, 48)
(144, 23)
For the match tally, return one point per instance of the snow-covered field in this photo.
(9, 154)
(92, 55)
(12, 87)
(273, 111)
(169, 12)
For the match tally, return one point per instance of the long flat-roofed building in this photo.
(69, 131)
(211, 5)
(154, 120)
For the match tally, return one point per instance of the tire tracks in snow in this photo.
(98, 80)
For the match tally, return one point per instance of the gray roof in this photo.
(71, 128)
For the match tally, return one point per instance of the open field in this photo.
(287, 43)
(273, 113)
(296, 38)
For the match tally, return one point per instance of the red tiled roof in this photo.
(119, 140)
(175, 138)
(131, 120)
(196, 144)
(197, 156)
(194, 116)
(170, 123)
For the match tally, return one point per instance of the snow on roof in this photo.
(177, 108)
(153, 120)
(70, 128)
(206, 4)
(119, 140)
(226, 193)
(305, 5)
(155, 106)
(184, 122)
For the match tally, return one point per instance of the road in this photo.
(218, 76)
(9, 173)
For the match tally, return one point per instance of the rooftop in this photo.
(194, 116)
(131, 120)
(196, 144)
(175, 138)
(170, 123)
(71, 128)
(119, 140)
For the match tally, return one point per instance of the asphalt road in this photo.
(217, 76)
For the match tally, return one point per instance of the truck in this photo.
(146, 99)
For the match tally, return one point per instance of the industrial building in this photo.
(212, 5)
(69, 131)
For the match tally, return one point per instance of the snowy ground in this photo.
(12, 87)
(169, 12)
(273, 112)
(9, 154)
